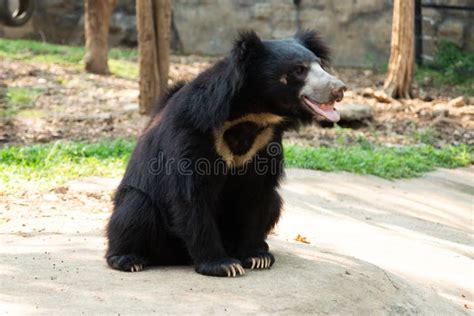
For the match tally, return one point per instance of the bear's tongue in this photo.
(326, 110)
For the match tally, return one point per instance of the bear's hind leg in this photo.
(132, 231)
(260, 217)
(203, 241)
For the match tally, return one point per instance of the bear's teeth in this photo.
(327, 107)
(326, 110)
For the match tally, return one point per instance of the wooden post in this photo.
(153, 22)
(402, 54)
(96, 25)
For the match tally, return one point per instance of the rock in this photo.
(354, 111)
(457, 103)
(349, 93)
(61, 189)
(262, 11)
(358, 30)
(397, 105)
(380, 107)
(368, 92)
(379, 95)
(452, 29)
(431, 17)
(424, 113)
(425, 96)
(440, 109)
(59, 21)
(470, 101)
(361, 28)
(469, 40)
(123, 28)
(382, 97)
(130, 107)
(347, 9)
(94, 117)
(368, 6)
(50, 197)
(427, 80)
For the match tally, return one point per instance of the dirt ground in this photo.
(71, 104)
(372, 246)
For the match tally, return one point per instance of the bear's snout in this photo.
(322, 86)
(338, 89)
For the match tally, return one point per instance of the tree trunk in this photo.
(402, 54)
(96, 24)
(154, 22)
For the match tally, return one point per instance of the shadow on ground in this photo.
(49, 276)
(376, 247)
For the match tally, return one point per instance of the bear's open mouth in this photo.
(326, 110)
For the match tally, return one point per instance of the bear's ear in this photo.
(247, 46)
(313, 41)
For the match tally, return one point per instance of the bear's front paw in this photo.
(263, 260)
(222, 268)
(127, 263)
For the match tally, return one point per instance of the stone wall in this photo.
(358, 30)
(453, 25)
(62, 21)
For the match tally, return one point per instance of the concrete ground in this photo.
(375, 247)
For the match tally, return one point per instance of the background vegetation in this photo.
(450, 66)
(52, 164)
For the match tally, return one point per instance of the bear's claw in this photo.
(136, 268)
(127, 263)
(234, 269)
(262, 261)
(224, 268)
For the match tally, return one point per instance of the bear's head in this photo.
(287, 77)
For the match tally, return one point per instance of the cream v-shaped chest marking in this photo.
(266, 123)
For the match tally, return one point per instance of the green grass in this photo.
(440, 78)
(385, 162)
(123, 68)
(425, 135)
(49, 165)
(21, 96)
(122, 61)
(451, 66)
(19, 99)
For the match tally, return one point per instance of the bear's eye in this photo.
(299, 70)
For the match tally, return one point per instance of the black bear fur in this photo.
(217, 220)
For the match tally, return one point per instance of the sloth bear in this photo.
(201, 185)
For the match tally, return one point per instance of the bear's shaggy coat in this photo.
(201, 185)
